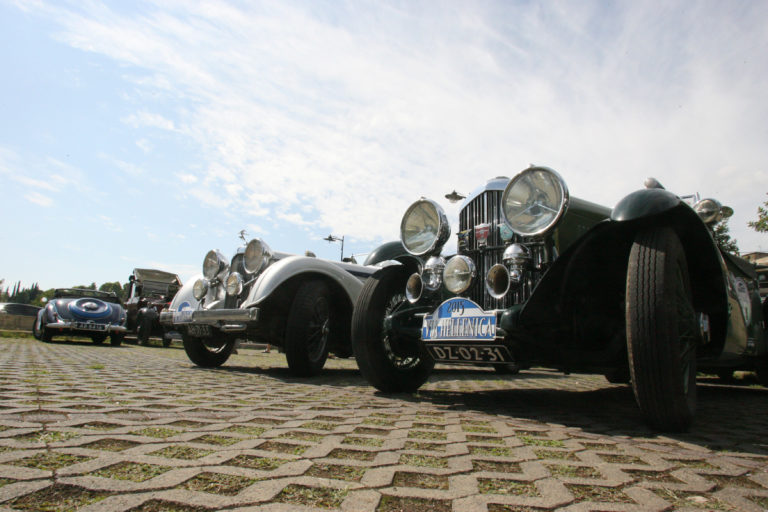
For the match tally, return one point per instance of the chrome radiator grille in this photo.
(485, 208)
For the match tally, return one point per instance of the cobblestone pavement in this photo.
(85, 427)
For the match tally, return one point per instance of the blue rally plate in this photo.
(458, 319)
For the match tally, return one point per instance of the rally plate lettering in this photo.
(458, 319)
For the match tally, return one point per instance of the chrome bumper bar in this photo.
(210, 316)
(74, 327)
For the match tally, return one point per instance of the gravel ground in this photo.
(85, 427)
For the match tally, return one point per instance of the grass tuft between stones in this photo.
(58, 498)
(320, 497)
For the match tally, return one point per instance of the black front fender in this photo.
(644, 203)
(586, 285)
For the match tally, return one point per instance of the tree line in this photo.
(34, 294)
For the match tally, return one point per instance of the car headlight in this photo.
(459, 273)
(213, 264)
(234, 284)
(200, 288)
(710, 210)
(257, 256)
(534, 201)
(424, 228)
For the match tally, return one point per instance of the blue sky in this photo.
(142, 134)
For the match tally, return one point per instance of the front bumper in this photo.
(230, 320)
(85, 327)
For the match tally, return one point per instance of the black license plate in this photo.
(90, 326)
(470, 353)
(200, 330)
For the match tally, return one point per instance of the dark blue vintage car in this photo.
(82, 312)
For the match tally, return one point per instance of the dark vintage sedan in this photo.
(149, 292)
(82, 312)
(640, 293)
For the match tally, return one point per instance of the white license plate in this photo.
(469, 353)
(199, 330)
(459, 319)
(86, 326)
(183, 317)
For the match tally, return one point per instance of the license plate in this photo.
(183, 317)
(86, 326)
(470, 353)
(459, 319)
(199, 330)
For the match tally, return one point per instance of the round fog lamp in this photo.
(458, 273)
(234, 284)
(200, 289)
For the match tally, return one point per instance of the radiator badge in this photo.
(506, 232)
(481, 234)
(463, 237)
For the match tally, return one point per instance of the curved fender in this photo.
(386, 252)
(184, 295)
(350, 277)
(644, 203)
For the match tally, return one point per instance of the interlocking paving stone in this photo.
(130, 428)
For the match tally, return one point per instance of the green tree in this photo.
(720, 233)
(761, 224)
(113, 287)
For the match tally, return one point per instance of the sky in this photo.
(143, 134)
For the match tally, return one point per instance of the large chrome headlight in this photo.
(234, 283)
(534, 201)
(459, 273)
(257, 256)
(424, 228)
(213, 264)
(200, 288)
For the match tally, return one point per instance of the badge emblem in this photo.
(482, 231)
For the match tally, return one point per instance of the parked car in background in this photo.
(82, 312)
(640, 293)
(149, 292)
(17, 317)
(300, 304)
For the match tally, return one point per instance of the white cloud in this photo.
(39, 199)
(358, 109)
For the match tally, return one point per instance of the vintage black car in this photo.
(640, 293)
(149, 292)
(82, 312)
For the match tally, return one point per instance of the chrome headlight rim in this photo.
(214, 264)
(234, 284)
(449, 273)
(200, 289)
(256, 256)
(440, 233)
(709, 210)
(563, 199)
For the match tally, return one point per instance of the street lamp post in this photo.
(331, 238)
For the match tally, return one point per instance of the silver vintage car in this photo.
(301, 304)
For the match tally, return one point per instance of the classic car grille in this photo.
(485, 208)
